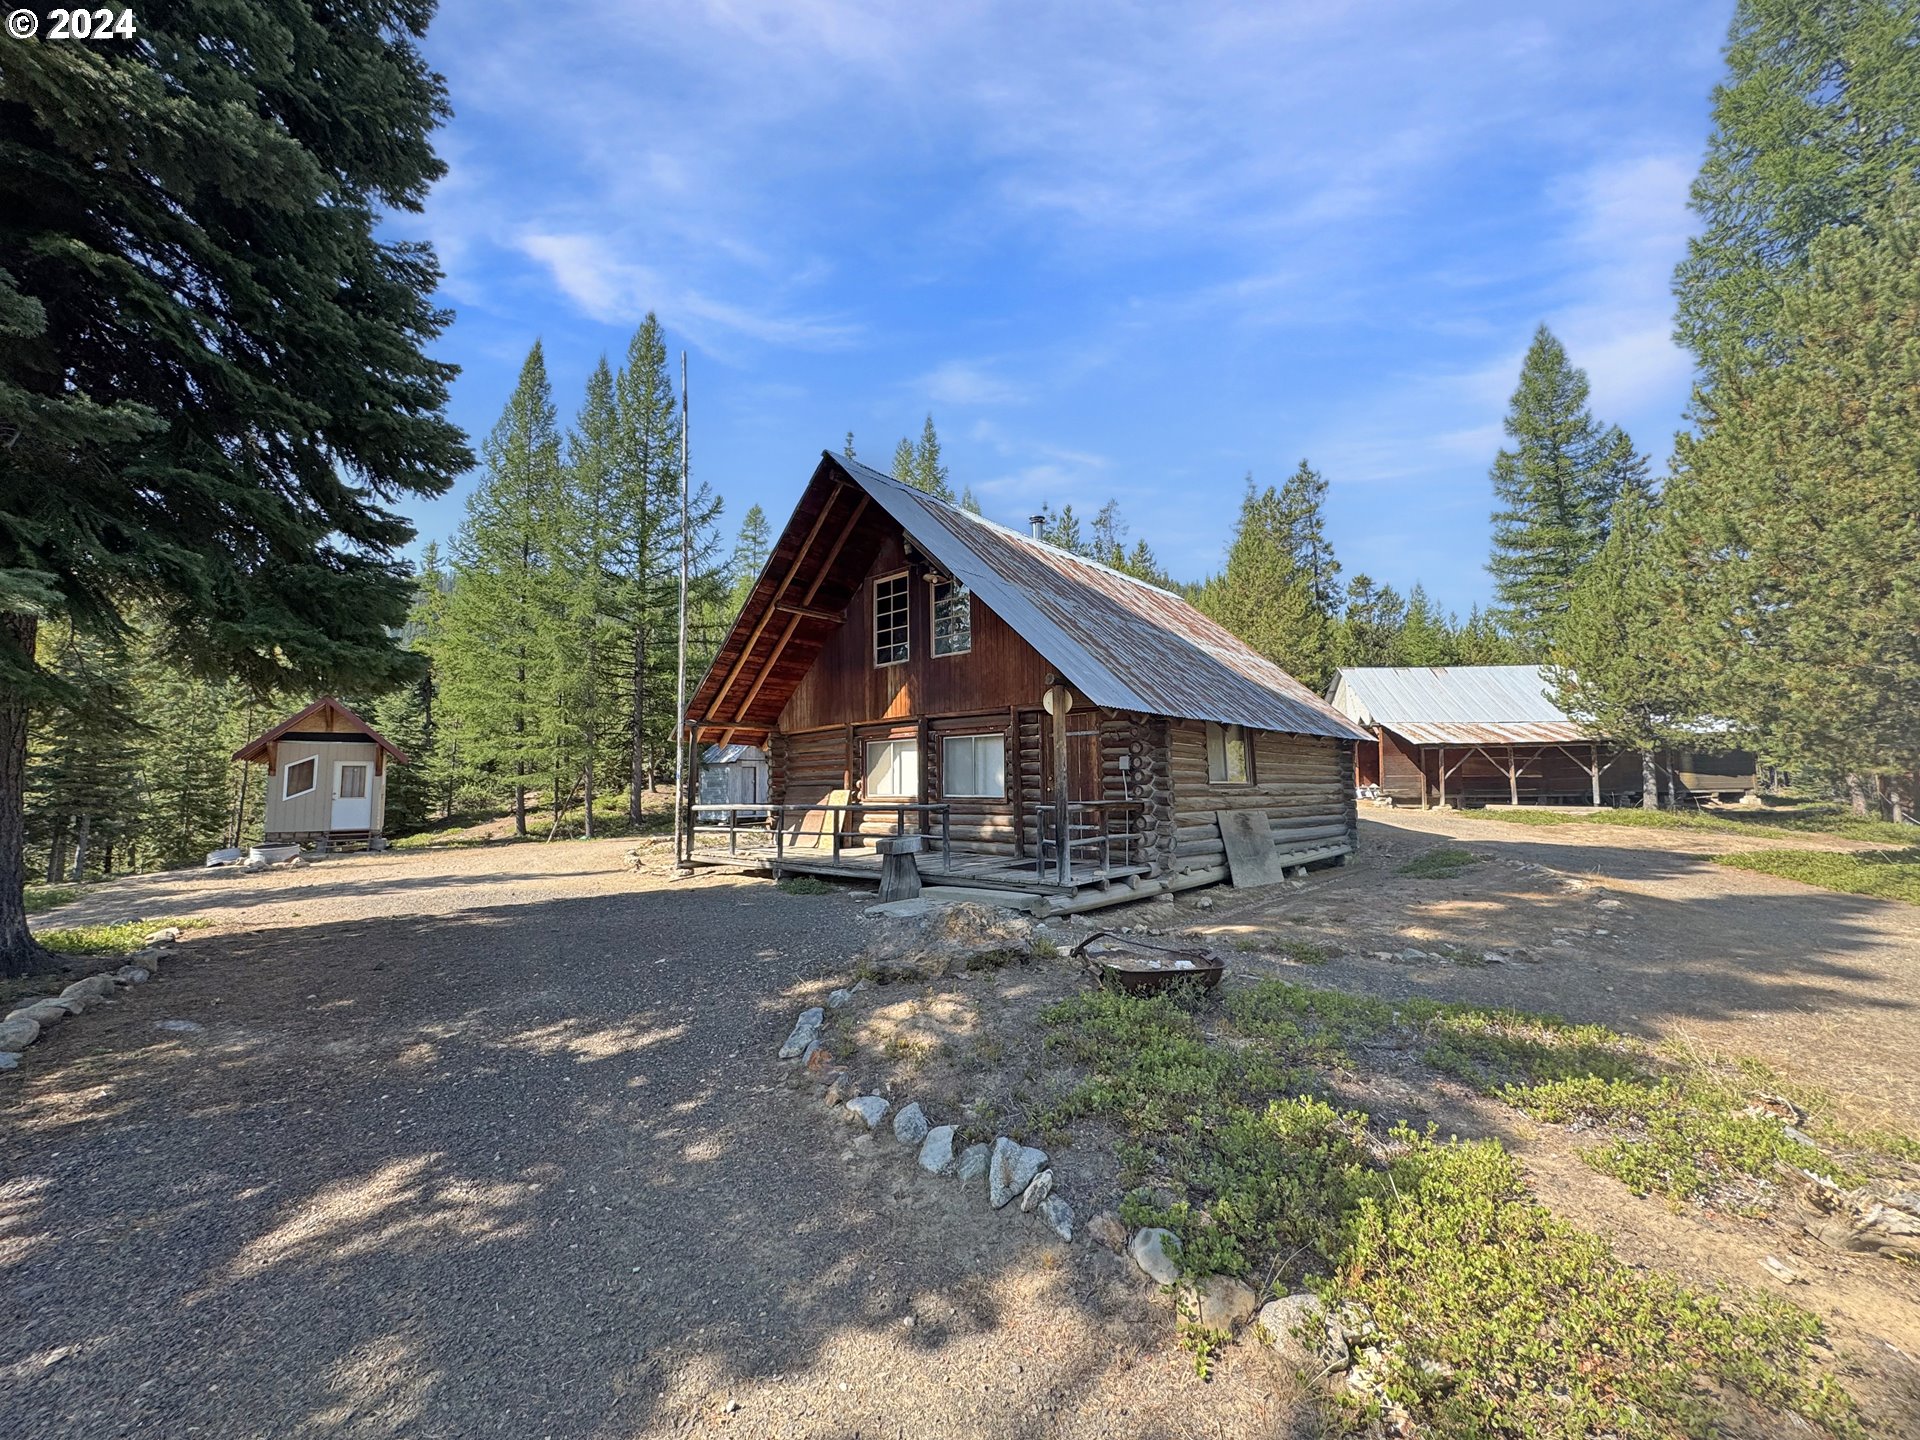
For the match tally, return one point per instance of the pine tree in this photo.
(1612, 666)
(970, 502)
(1481, 641)
(1555, 488)
(906, 463)
(82, 792)
(500, 615)
(1303, 508)
(1265, 596)
(1790, 539)
(1813, 125)
(750, 553)
(211, 233)
(1426, 633)
(405, 716)
(1062, 530)
(847, 449)
(1107, 540)
(920, 465)
(1369, 631)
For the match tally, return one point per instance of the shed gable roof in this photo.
(1121, 642)
(1457, 704)
(256, 748)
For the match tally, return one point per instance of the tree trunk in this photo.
(589, 814)
(80, 849)
(56, 851)
(1649, 782)
(634, 807)
(19, 955)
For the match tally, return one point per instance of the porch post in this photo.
(1060, 785)
(1593, 757)
(1513, 777)
(1443, 777)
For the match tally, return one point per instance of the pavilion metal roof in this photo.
(1458, 704)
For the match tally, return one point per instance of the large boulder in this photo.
(869, 1110)
(1157, 1252)
(947, 938)
(936, 1151)
(17, 1034)
(805, 1031)
(972, 1163)
(1303, 1334)
(42, 1012)
(1220, 1302)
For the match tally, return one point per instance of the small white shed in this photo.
(326, 777)
(733, 775)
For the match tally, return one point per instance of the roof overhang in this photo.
(1537, 732)
(256, 748)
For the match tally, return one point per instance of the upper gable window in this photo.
(1227, 755)
(890, 611)
(952, 618)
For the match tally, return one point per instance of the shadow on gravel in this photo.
(527, 1170)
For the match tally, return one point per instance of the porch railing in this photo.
(780, 832)
(1105, 834)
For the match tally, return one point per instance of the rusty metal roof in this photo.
(1457, 704)
(1121, 642)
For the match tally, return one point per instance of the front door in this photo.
(352, 797)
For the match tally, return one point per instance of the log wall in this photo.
(1304, 783)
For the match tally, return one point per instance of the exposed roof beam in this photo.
(740, 660)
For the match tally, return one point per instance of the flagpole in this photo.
(682, 840)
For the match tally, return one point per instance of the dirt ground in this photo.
(490, 1141)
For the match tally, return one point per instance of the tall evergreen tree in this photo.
(1612, 659)
(970, 502)
(1813, 125)
(919, 464)
(1555, 488)
(1791, 526)
(211, 234)
(1303, 501)
(1266, 597)
(1370, 627)
(501, 613)
(1426, 633)
(750, 553)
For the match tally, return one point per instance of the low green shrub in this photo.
(804, 885)
(121, 939)
(42, 898)
(1885, 874)
(1441, 864)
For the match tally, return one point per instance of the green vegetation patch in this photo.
(1440, 864)
(804, 885)
(1884, 874)
(1495, 1318)
(42, 898)
(121, 939)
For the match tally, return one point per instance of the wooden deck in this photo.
(986, 872)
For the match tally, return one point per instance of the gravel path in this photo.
(490, 1142)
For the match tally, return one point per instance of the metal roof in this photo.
(1457, 704)
(1121, 642)
(732, 754)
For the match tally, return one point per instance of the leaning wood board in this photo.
(1252, 857)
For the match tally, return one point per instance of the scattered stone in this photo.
(1058, 1215)
(910, 1124)
(1158, 1253)
(840, 1088)
(18, 1034)
(77, 1004)
(253, 865)
(1205, 902)
(148, 959)
(9, 1060)
(1782, 1271)
(1011, 1170)
(42, 1012)
(179, 1027)
(845, 994)
(944, 939)
(805, 1031)
(1220, 1302)
(166, 935)
(1106, 1229)
(132, 974)
(936, 1151)
(818, 1060)
(298, 862)
(1039, 1190)
(1881, 1217)
(1606, 904)
(973, 1162)
(1303, 1334)
(96, 986)
(869, 1110)
(1495, 957)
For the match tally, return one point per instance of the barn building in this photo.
(326, 777)
(1023, 718)
(1492, 734)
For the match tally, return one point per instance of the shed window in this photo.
(893, 770)
(974, 765)
(1227, 762)
(300, 778)
(952, 618)
(890, 612)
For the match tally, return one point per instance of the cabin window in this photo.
(974, 765)
(893, 770)
(890, 620)
(952, 618)
(1227, 754)
(300, 778)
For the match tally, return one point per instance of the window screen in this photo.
(353, 782)
(974, 765)
(300, 777)
(1226, 754)
(893, 770)
(890, 620)
(952, 618)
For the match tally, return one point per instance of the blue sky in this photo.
(1118, 250)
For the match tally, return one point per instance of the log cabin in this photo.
(1459, 735)
(1018, 717)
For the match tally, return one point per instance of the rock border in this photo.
(26, 1024)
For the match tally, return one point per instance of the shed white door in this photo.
(352, 800)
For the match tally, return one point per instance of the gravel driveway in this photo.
(491, 1143)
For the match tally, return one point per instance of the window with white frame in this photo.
(301, 777)
(974, 765)
(893, 770)
(952, 618)
(1227, 754)
(890, 611)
